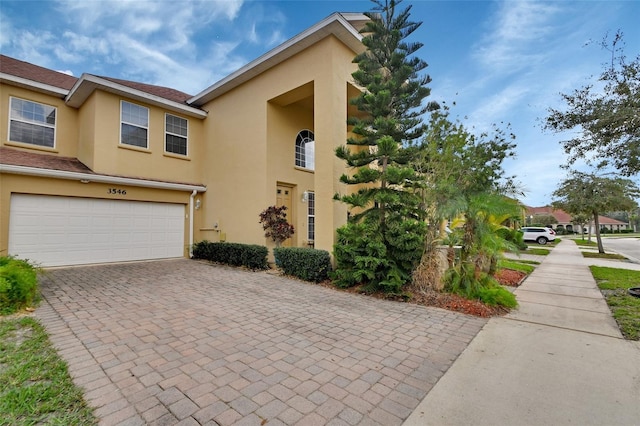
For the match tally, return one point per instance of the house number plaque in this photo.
(117, 191)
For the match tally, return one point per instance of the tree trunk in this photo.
(596, 221)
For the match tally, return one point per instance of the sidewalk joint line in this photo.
(560, 294)
(563, 328)
(573, 309)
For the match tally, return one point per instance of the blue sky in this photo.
(500, 61)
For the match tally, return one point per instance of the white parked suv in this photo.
(538, 234)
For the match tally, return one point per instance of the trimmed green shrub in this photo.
(466, 282)
(497, 296)
(359, 254)
(305, 263)
(229, 253)
(18, 284)
(202, 250)
(254, 256)
(363, 256)
(249, 255)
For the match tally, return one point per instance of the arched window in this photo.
(305, 150)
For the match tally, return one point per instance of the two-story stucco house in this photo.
(96, 169)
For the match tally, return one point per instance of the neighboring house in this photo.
(96, 169)
(565, 220)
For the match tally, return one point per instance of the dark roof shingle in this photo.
(15, 157)
(163, 92)
(43, 75)
(36, 73)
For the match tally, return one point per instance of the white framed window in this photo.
(311, 216)
(32, 123)
(134, 125)
(175, 134)
(305, 150)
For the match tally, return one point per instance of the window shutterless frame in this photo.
(176, 135)
(311, 216)
(305, 150)
(32, 123)
(134, 125)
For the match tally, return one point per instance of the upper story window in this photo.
(305, 150)
(175, 135)
(32, 122)
(134, 125)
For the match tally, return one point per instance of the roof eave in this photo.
(91, 177)
(88, 83)
(337, 24)
(47, 89)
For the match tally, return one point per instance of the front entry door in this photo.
(283, 198)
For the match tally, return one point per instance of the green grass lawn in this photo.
(624, 307)
(603, 255)
(537, 251)
(586, 243)
(530, 262)
(516, 265)
(35, 386)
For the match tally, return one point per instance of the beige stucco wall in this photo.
(66, 134)
(92, 134)
(250, 146)
(101, 134)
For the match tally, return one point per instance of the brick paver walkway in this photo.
(183, 342)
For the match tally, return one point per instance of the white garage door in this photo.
(56, 231)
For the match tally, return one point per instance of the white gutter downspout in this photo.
(193, 194)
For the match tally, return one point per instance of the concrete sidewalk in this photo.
(557, 360)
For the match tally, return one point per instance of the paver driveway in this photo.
(185, 342)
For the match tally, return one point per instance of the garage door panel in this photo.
(140, 237)
(58, 231)
(103, 221)
(75, 238)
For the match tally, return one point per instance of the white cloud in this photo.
(497, 106)
(515, 28)
(186, 45)
(252, 35)
(7, 29)
(276, 38)
(31, 46)
(266, 24)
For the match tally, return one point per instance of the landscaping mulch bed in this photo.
(448, 301)
(453, 302)
(509, 277)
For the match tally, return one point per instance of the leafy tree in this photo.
(581, 219)
(543, 219)
(390, 120)
(634, 218)
(464, 179)
(609, 120)
(588, 193)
